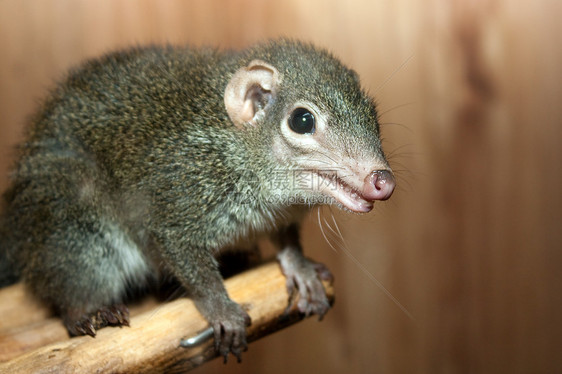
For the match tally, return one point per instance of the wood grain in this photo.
(469, 94)
(151, 343)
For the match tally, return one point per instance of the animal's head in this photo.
(316, 124)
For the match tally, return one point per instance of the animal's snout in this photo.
(379, 185)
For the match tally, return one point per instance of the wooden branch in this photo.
(151, 344)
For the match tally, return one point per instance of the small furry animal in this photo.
(150, 161)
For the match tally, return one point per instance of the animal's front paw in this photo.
(229, 322)
(306, 277)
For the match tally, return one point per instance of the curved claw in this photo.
(89, 323)
(230, 337)
(312, 298)
(229, 334)
(306, 277)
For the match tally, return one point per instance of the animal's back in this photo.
(156, 158)
(96, 121)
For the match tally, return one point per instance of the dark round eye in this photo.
(302, 121)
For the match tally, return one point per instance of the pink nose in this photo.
(379, 185)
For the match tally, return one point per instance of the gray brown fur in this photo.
(132, 169)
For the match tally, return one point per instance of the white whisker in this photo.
(324, 234)
(346, 251)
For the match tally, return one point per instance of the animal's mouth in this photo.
(333, 186)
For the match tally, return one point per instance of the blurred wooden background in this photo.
(470, 95)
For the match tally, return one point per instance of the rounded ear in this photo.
(249, 91)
